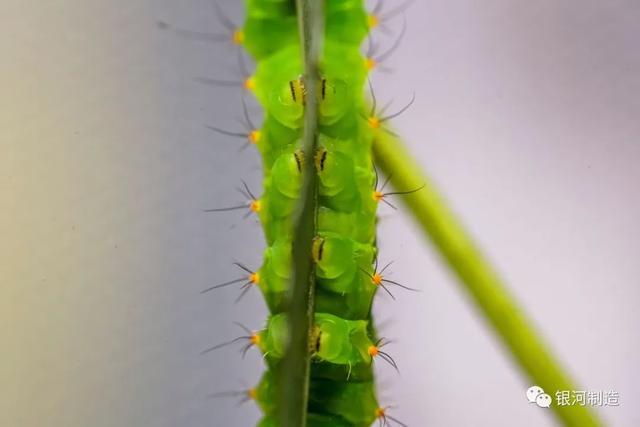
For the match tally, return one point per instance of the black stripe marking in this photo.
(321, 250)
(322, 159)
(293, 91)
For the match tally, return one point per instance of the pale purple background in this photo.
(527, 116)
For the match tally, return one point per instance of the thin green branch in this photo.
(295, 366)
(478, 278)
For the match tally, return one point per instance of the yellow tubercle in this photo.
(370, 64)
(373, 122)
(255, 339)
(254, 136)
(238, 36)
(373, 21)
(250, 83)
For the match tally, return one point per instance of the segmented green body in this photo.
(342, 389)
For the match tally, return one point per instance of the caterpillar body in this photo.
(344, 342)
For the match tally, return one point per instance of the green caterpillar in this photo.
(344, 342)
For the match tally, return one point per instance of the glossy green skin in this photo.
(346, 216)
(336, 340)
(344, 388)
(354, 401)
(342, 391)
(313, 420)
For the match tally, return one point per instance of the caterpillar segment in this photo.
(344, 343)
(343, 352)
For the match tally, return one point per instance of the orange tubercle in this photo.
(374, 122)
(254, 278)
(376, 279)
(254, 136)
(373, 351)
(238, 36)
(380, 413)
(255, 339)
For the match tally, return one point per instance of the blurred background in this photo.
(527, 116)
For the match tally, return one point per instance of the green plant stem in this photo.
(294, 372)
(478, 278)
